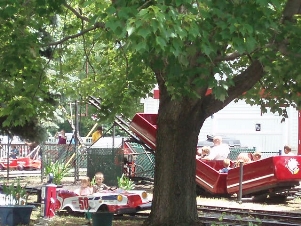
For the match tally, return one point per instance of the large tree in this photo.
(119, 49)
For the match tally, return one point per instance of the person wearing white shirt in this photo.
(219, 151)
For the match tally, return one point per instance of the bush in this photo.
(15, 193)
(125, 183)
(58, 169)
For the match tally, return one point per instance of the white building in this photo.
(239, 120)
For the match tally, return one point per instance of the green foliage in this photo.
(93, 182)
(190, 44)
(15, 193)
(117, 51)
(26, 96)
(151, 37)
(125, 183)
(59, 170)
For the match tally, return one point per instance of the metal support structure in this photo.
(113, 134)
(241, 173)
(299, 132)
(7, 156)
(76, 132)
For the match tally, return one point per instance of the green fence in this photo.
(234, 152)
(109, 161)
(63, 153)
(106, 160)
(144, 161)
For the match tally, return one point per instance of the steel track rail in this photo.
(260, 217)
(235, 216)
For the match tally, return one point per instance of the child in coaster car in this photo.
(85, 187)
(99, 185)
(203, 152)
(226, 164)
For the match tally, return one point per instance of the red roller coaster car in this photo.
(275, 175)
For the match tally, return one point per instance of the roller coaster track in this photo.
(121, 122)
(210, 215)
(239, 216)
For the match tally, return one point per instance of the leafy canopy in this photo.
(117, 51)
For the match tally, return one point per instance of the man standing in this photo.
(219, 151)
(97, 134)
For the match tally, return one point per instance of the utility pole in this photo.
(76, 145)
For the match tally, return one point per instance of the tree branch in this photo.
(77, 14)
(292, 8)
(242, 83)
(85, 51)
(229, 57)
(283, 50)
(144, 4)
(96, 26)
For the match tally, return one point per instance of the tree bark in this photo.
(174, 200)
(178, 127)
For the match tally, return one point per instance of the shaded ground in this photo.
(79, 220)
(76, 220)
(62, 219)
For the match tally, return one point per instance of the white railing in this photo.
(24, 150)
(6, 149)
(53, 140)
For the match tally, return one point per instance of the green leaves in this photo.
(125, 183)
(8, 12)
(161, 42)
(15, 193)
(185, 45)
(59, 170)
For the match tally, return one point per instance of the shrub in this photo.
(125, 183)
(58, 169)
(15, 194)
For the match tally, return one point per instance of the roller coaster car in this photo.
(273, 175)
(116, 202)
(145, 127)
(23, 163)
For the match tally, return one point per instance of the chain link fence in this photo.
(234, 152)
(110, 161)
(144, 161)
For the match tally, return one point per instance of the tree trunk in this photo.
(178, 127)
(177, 135)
